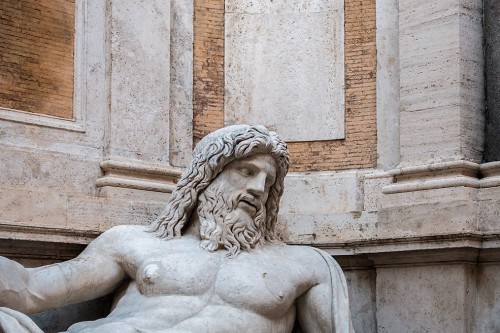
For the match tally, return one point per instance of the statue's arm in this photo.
(92, 274)
(325, 307)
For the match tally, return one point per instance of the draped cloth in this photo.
(340, 311)
(12, 321)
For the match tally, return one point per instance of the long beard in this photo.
(223, 226)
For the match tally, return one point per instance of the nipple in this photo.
(274, 283)
(151, 273)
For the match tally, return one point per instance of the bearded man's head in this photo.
(220, 225)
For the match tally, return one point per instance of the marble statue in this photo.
(210, 263)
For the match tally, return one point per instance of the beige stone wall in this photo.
(67, 180)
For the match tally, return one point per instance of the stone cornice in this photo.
(440, 175)
(474, 248)
(22, 232)
(460, 248)
(139, 175)
(491, 174)
(402, 244)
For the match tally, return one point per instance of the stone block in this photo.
(388, 85)
(326, 228)
(430, 135)
(441, 76)
(427, 212)
(48, 216)
(322, 193)
(434, 298)
(100, 214)
(181, 83)
(373, 192)
(489, 209)
(46, 170)
(362, 295)
(31, 207)
(487, 314)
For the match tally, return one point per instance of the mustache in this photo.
(222, 226)
(248, 198)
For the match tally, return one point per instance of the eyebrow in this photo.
(271, 171)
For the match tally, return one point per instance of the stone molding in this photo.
(468, 255)
(51, 251)
(398, 244)
(360, 254)
(140, 176)
(491, 174)
(440, 175)
(16, 231)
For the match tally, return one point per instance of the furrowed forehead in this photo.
(263, 162)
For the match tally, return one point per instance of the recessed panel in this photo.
(284, 67)
(36, 56)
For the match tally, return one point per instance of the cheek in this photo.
(228, 182)
(235, 181)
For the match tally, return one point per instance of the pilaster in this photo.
(442, 84)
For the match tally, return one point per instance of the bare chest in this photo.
(265, 284)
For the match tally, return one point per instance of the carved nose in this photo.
(257, 185)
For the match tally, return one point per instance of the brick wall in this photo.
(36, 56)
(208, 95)
(358, 149)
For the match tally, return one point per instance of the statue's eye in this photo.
(245, 171)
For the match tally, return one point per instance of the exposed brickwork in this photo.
(208, 96)
(359, 148)
(36, 56)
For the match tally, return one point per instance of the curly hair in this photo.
(210, 156)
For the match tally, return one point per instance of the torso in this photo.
(176, 286)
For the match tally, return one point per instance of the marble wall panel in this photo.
(434, 298)
(284, 67)
(140, 80)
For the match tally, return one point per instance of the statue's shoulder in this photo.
(303, 250)
(118, 236)
(124, 232)
(312, 257)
